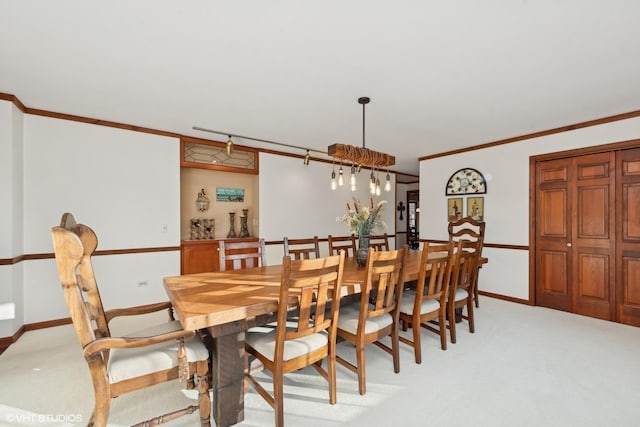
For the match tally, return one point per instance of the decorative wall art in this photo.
(400, 209)
(454, 208)
(475, 208)
(229, 194)
(466, 181)
(202, 202)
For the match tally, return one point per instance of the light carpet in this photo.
(524, 366)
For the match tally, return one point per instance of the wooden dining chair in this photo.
(138, 360)
(463, 278)
(305, 331)
(237, 255)
(302, 248)
(427, 303)
(375, 315)
(346, 243)
(469, 229)
(379, 242)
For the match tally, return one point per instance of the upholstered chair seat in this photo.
(134, 362)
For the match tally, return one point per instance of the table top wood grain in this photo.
(204, 300)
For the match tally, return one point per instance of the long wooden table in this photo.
(227, 304)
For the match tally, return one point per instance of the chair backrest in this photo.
(336, 243)
(466, 228)
(239, 255)
(434, 276)
(383, 284)
(302, 248)
(73, 245)
(465, 267)
(379, 242)
(310, 285)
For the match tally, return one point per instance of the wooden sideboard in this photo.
(201, 256)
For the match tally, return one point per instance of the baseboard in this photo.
(47, 324)
(505, 298)
(5, 342)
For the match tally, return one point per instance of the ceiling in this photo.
(441, 75)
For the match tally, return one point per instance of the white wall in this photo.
(11, 123)
(296, 201)
(124, 184)
(506, 205)
(117, 275)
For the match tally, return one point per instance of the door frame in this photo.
(413, 196)
(615, 146)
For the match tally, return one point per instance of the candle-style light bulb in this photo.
(352, 179)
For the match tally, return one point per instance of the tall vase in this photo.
(232, 225)
(244, 230)
(363, 249)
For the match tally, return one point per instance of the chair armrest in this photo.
(142, 309)
(101, 344)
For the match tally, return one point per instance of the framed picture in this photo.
(475, 208)
(229, 194)
(454, 208)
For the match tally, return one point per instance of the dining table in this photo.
(224, 304)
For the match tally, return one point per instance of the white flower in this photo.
(363, 220)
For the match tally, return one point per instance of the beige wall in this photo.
(193, 180)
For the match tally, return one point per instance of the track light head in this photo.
(229, 146)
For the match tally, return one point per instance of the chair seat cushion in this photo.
(461, 294)
(349, 316)
(125, 363)
(263, 339)
(408, 301)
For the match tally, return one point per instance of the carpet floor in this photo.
(524, 366)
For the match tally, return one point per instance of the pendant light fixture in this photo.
(387, 185)
(362, 156)
(334, 184)
(352, 179)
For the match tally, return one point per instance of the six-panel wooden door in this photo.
(628, 230)
(575, 241)
(587, 235)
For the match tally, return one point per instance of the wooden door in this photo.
(628, 230)
(553, 234)
(593, 235)
(575, 234)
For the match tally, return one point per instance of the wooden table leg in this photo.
(227, 367)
